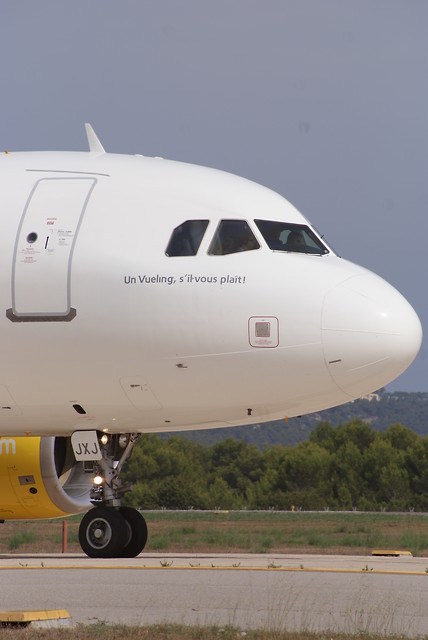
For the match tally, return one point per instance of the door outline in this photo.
(49, 316)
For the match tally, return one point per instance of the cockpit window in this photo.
(284, 236)
(232, 236)
(186, 238)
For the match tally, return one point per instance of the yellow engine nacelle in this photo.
(40, 478)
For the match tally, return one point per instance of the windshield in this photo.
(285, 236)
(186, 238)
(232, 236)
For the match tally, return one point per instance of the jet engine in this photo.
(40, 478)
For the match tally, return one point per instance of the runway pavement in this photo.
(294, 592)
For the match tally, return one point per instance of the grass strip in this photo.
(355, 533)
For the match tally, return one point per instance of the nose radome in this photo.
(370, 334)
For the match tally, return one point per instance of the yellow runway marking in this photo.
(211, 568)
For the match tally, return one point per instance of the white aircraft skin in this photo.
(110, 328)
(162, 343)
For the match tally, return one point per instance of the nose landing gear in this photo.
(110, 530)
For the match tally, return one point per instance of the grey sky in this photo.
(325, 101)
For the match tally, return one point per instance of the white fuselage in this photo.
(95, 315)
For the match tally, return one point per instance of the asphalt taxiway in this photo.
(277, 592)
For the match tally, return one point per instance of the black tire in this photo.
(103, 533)
(137, 532)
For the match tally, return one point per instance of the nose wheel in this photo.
(106, 532)
(136, 532)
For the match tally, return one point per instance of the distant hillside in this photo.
(380, 410)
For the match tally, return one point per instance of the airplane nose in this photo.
(370, 334)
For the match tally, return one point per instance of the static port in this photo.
(32, 237)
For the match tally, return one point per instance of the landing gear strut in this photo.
(110, 530)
